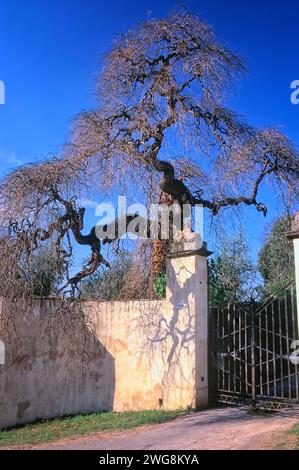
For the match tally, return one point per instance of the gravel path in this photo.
(226, 428)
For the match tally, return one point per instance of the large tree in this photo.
(161, 126)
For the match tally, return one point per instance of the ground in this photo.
(214, 429)
(67, 427)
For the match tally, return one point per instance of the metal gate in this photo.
(255, 355)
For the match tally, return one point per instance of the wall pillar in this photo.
(294, 235)
(187, 292)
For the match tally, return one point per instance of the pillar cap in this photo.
(203, 251)
(294, 233)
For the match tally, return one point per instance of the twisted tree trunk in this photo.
(158, 263)
(160, 249)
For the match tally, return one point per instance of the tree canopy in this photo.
(161, 125)
(232, 274)
(276, 258)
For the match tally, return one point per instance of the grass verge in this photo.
(80, 425)
(293, 434)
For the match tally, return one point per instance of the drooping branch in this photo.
(73, 220)
(161, 89)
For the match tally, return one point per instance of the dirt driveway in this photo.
(226, 428)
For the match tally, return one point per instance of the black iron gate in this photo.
(255, 356)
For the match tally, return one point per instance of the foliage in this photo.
(40, 274)
(160, 285)
(276, 258)
(46, 273)
(107, 284)
(81, 425)
(232, 275)
(127, 279)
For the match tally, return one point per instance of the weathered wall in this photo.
(121, 356)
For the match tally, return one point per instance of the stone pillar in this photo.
(187, 294)
(294, 235)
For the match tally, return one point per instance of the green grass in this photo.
(289, 440)
(294, 434)
(81, 425)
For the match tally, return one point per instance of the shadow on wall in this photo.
(55, 366)
(182, 335)
(68, 358)
(171, 333)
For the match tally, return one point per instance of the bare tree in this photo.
(161, 125)
(166, 81)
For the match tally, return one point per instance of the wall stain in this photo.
(22, 407)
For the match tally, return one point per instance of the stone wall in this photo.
(121, 356)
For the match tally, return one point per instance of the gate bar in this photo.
(253, 364)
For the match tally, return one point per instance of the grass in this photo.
(289, 440)
(294, 435)
(80, 425)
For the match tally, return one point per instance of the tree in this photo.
(276, 258)
(45, 274)
(232, 275)
(126, 280)
(163, 81)
(107, 285)
(42, 276)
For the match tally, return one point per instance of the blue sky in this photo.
(49, 51)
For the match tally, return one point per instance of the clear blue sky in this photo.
(49, 50)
